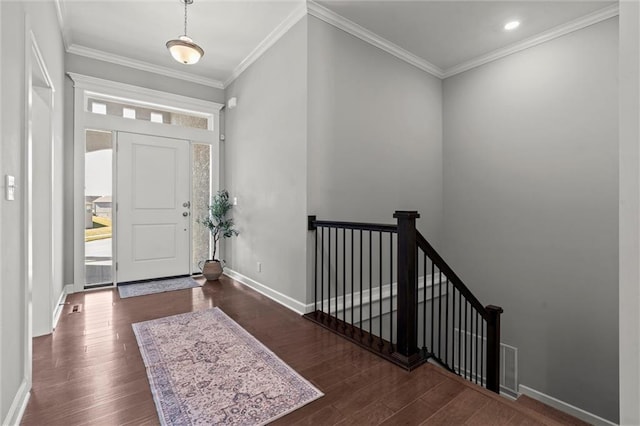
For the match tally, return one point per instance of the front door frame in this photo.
(85, 86)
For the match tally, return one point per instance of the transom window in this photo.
(122, 108)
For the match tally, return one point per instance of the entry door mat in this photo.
(205, 369)
(158, 286)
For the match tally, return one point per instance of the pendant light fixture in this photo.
(183, 49)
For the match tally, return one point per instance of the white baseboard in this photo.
(565, 407)
(19, 404)
(60, 305)
(272, 294)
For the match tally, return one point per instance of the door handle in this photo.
(185, 214)
(186, 204)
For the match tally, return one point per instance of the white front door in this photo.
(153, 200)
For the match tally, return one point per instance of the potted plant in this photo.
(220, 227)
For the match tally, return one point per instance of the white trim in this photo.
(276, 296)
(88, 86)
(564, 407)
(1, 203)
(36, 60)
(364, 298)
(156, 97)
(275, 35)
(338, 21)
(61, 12)
(100, 55)
(19, 404)
(60, 304)
(559, 31)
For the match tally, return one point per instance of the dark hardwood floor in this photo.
(89, 371)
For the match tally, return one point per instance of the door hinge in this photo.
(116, 266)
(116, 207)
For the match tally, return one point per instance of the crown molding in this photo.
(338, 21)
(61, 12)
(275, 35)
(314, 9)
(141, 65)
(560, 30)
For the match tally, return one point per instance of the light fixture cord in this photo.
(185, 17)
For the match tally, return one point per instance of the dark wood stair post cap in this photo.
(406, 214)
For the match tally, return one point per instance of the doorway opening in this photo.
(150, 161)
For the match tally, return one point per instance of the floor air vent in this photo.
(467, 342)
(509, 370)
(75, 309)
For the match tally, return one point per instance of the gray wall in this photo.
(531, 207)
(13, 328)
(375, 133)
(629, 93)
(122, 74)
(265, 166)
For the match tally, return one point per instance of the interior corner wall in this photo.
(629, 212)
(375, 133)
(13, 330)
(265, 155)
(531, 207)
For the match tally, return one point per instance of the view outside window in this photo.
(98, 219)
(201, 189)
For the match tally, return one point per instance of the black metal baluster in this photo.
(484, 383)
(433, 305)
(322, 270)
(391, 291)
(439, 313)
(315, 270)
(416, 323)
(335, 302)
(470, 334)
(466, 338)
(344, 279)
(370, 288)
(329, 279)
(424, 301)
(380, 284)
(459, 332)
(361, 290)
(446, 325)
(352, 280)
(476, 339)
(471, 360)
(453, 327)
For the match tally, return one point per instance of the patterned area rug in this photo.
(159, 286)
(205, 369)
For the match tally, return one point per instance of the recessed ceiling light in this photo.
(512, 25)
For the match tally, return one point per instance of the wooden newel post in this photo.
(493, 348)
(406, 330)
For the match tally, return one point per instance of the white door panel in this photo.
(153, 187)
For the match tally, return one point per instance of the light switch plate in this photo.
(9, 187)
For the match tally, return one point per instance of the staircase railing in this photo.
(385, 288)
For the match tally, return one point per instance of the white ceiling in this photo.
(448, 33)
(228, 31)
(442, 33)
